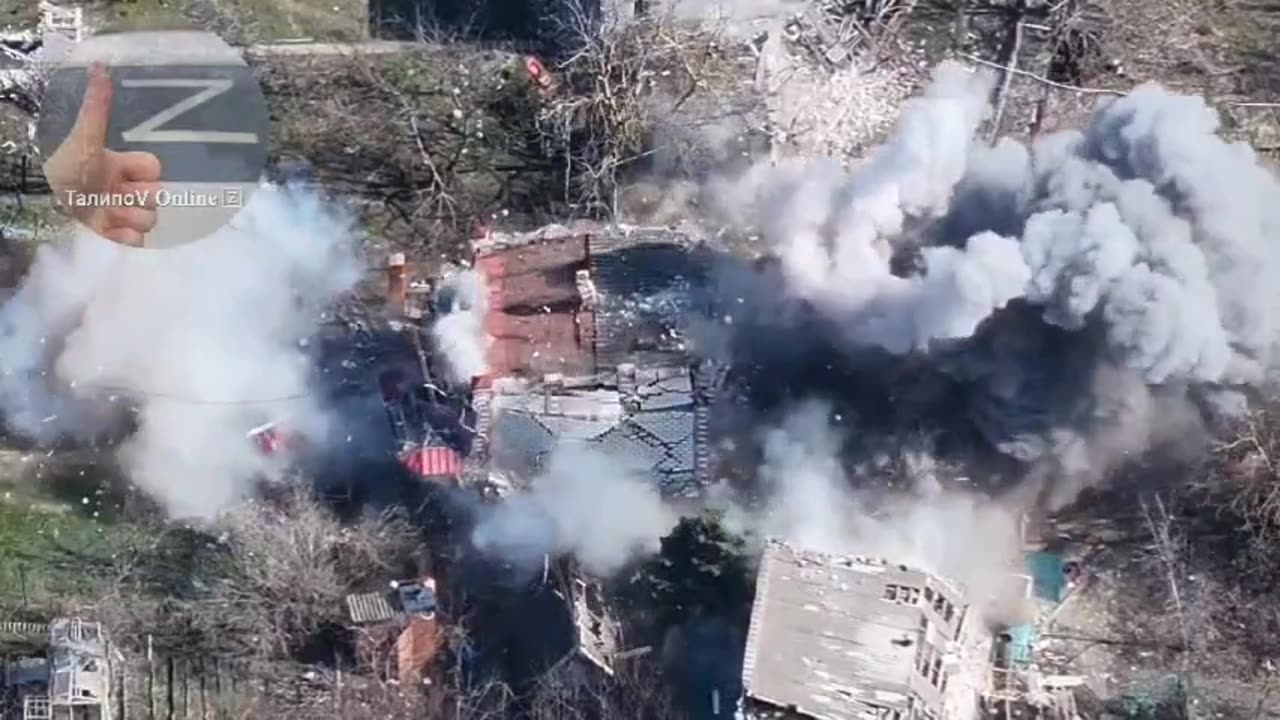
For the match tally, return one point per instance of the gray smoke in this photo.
(199, 344)
(602, 508)
(815, 497)
(1068, 299)
(834, 229)
(459, 332)
(1070, 286)
(1181, 228)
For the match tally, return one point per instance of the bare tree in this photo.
(1243, 478)
(602, 109)
(292, 563)
(426, 143)
(573, 691)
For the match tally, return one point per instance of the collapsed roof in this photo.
(582, 299)
(588, 347)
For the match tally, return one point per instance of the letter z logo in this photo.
(148, 131)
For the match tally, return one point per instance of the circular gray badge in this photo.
(153, 139)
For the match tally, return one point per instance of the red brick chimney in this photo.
(397, 285)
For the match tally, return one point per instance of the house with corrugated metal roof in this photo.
(589, 344)
(843, 638)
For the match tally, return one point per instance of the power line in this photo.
(193, 400)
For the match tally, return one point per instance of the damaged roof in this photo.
(642, 282)
(838, 638)
(587, 346)
(650, 415)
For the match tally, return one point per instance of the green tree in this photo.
(703, 570)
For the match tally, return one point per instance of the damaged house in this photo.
(587, 345)
(839, 638)
(60, 671)
(430, 425)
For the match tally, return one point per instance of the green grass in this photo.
(248, 20)
(51, 552)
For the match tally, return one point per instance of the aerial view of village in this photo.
(640, 359)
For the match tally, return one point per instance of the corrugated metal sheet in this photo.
(653, 422)
(825, 638)
(370, 608)
(433, 462)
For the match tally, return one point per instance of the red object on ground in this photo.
(432, 461)
(538, 72)
(271, 440)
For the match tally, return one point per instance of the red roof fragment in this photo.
(416, 647)
(432, 462)
(534, 317)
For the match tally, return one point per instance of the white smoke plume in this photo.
(1066, 298)
(459, 333)
(1168, 230)
(1142, 244)
(604, 509)
(1146, 219)
(833, 230)
(201, 343)
(814, 499)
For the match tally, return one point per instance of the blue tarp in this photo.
(1022, 644)
(1048, 580)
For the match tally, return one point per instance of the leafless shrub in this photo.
(262, 583)
(426, 143)
(292, 563)
(605, 100)
(1242, 481)
(573, 691)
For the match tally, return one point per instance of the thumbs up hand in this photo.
(113, 193)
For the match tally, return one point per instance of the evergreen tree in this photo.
(703, 570)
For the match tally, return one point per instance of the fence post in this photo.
(217, 687)
(204, 698)
(122, 692)
(337, 683)
(169, 678)
(151, 679)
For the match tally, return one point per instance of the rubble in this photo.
(599, 358)
(24, 52)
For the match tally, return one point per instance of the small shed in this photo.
(400, 633)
